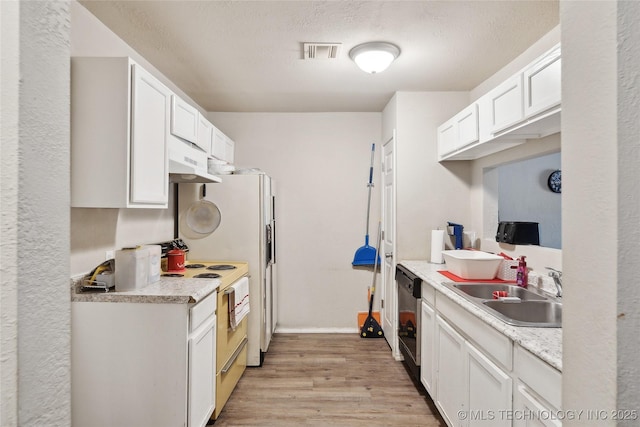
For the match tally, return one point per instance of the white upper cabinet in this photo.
(525, 106)
(184, 120)
(205, 134)
(542, 84)
(506, 104)
(119, 128)
(459, 131)
(222, 147)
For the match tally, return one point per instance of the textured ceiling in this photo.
(248, 55)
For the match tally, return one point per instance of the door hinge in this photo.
(382, 304)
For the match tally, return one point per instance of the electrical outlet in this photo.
(109, 255)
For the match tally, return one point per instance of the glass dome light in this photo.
(374, 57)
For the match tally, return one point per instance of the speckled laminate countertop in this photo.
(546, 343)
(169, 290)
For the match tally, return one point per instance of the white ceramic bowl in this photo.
(475, 265)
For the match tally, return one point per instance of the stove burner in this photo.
(207, 276)
(221, 267)
(194, 266)
(172, 275)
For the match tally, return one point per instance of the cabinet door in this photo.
(447, 138)
(184, 120)
(202, 374)
(205, 134)
(427, 351)
(490, 391)
(451, 384)
(219, 144)
(467, 124)
(149, 126)
(542, 84)
(525, 402)
(506, 104)
(229, 150)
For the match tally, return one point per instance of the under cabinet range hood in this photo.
(188, 163)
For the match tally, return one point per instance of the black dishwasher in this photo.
(409, 294)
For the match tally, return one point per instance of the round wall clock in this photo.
(555, 181)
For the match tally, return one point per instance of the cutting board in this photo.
(455, 278)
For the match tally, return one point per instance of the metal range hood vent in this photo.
(321, 50)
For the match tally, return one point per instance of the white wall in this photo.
(600, 127)
(320, 163)
(34, 295)
(428, 193)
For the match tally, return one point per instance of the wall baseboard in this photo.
(317, 330)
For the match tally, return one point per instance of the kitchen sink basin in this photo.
(527, 309)
(485, 291)
(528, 313)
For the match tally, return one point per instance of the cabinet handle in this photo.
(234, 356)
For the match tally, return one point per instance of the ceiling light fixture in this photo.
(374, 57)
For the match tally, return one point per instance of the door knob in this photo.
(388, 254)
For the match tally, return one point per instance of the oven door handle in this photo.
(233, 358)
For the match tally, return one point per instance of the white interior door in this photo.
(389, 291)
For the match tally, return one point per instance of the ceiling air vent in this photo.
(321, 50)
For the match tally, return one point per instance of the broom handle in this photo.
(373, 149)
(375, 269)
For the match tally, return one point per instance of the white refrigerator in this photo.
(247, 232)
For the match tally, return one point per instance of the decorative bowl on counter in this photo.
(475, 265)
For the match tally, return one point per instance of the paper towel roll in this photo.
(437, 246)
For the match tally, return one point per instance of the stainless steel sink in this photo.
(528, 313)
(532, 309)
(485, 291)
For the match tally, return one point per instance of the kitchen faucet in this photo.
(557, 279)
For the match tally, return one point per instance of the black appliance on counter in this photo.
(518, 233)
(409, 300)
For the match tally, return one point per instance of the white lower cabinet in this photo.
(531, 411)
(451, 381)
(538, 396)
(427, 350)
(143, 364)
(477, 376)
(202, 373)
(489, 390)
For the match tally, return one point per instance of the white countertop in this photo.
(167, 290)
(546, 343)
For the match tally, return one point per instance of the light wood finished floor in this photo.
(328, 380)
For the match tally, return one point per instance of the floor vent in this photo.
(321, 50)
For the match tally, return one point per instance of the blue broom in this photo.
(367, 255)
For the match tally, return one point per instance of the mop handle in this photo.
(375, 267)
(373, 148)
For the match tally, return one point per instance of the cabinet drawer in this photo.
(202, 311)
(226, 381)
(428, 293)
(540, 377)
(492, 342)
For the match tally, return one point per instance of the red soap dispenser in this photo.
(522, 276)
